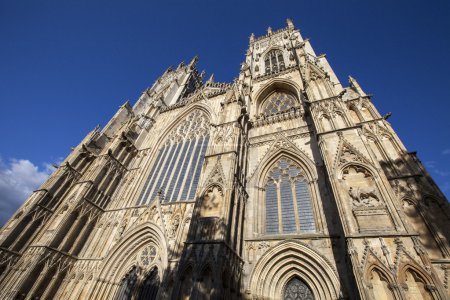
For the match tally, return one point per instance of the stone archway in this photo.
(293, 259)
(129, 252)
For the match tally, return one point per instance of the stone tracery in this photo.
(279, 102)
(287, 199)
(176, 170)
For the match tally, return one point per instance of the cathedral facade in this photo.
(283, 184)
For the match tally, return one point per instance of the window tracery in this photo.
(287, 200)
(274, 61)
(279, 102)
(147, 255)
(296, 289)
(176, 170)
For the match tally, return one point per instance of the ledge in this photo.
(380, 234)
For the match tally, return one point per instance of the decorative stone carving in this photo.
(364, 196)
(147, 255)
(216, 175)
(174, 226)
(367, 205)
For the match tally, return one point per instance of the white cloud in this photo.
(431, 166)
(18, 179)
(446, 151)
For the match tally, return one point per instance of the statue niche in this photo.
(366, 202)
(212, 202)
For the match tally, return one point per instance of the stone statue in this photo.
(364, 196)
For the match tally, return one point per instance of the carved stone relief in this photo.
(365, 200)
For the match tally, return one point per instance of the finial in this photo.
(290, 25)
(355, 86)
(269, 30)
(211, 78)
(252, 37)
(193, 62)
(180, 65)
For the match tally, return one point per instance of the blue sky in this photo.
(66, 66)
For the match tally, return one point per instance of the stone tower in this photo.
(281, 185)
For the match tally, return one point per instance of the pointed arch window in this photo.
(287, 200)
(274, 61)
(296, 289)
(278, 102)
(127, 285)
(176, 170)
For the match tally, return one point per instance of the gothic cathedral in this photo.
(280, 185)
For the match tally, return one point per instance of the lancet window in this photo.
(176, 170)
(287, 200)
(274, 61)
(278, 102)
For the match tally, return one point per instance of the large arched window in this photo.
(296, 289)
(277, 102)
(177, 168)
(274, 61)
(287, 200)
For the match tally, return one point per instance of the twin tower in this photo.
(280, 185)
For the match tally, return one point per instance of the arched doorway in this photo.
(135, 286)
(289, 265)
(150, 285)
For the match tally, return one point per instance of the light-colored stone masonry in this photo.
(280, 185)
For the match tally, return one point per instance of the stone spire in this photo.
(193, 62)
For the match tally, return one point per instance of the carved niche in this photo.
(212, 202)
(366, 202)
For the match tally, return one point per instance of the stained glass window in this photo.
(176, 170)
(279, 102)
(287, 200)
(296, 289)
